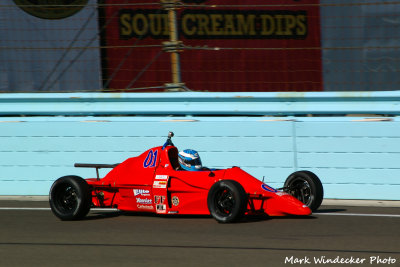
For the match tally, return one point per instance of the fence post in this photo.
(173, 46)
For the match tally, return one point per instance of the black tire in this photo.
(70, 198)
(306, 187)
(227, 201)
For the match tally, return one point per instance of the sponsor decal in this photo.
(162, 177)
(144, 201)
(159, 199)
(175, 200)
(268, 188)
(145, 207)
(161, 208)
(173, 212)
(281, 193)
(51, 9)
(160, 184)
(141, 192)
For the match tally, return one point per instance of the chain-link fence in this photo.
(199, 45)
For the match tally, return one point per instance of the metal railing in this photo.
(211, 45)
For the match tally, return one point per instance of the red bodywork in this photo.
(151, 183)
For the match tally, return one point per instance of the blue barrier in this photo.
(196, 103)
(355, 157)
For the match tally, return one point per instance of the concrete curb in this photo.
(326, 202)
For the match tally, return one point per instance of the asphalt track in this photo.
(363, 236)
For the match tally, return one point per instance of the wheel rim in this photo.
(224, 202)
(66, 198)
(301, 189)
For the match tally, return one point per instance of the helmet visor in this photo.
(191, 163)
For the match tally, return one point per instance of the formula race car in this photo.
(155, 182)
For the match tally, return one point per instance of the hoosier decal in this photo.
(144, 201)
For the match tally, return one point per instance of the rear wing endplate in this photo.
(97, 166)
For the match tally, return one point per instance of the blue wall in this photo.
(356, 157)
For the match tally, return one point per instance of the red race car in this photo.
(165, 181)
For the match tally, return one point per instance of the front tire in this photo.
(227, 201)
(306, 187)
(70, 198)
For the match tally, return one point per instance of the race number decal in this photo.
(151, 159)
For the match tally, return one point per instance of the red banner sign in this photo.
(265, 45)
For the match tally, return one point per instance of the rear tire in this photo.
(227, 201)
(306, 187)
(70, 198)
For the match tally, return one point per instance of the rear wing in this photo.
(97, 166)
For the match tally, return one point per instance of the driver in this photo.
(189, 160)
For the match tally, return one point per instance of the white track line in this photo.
(316, 213)
(360, 214)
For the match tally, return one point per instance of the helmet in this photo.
(189, 160)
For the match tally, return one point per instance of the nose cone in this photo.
(303, 210)
(293, 206)
(285, 204)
